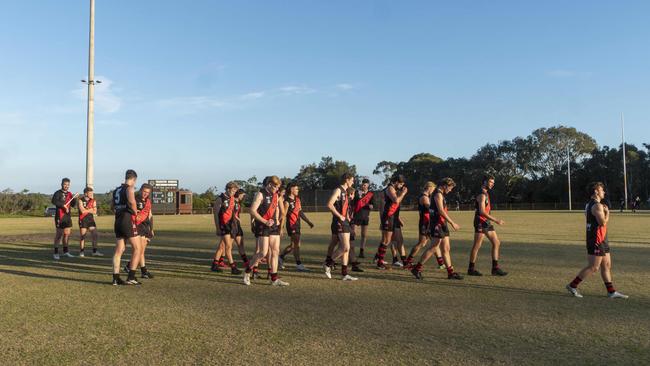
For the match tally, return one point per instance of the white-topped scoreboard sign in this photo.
(163, 195)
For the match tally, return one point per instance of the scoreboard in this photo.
(163, 195)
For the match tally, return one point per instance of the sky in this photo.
(209, 91)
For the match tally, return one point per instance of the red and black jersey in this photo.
(62, 199)
(144, 209)
(424, 211)
(227, 210)
(342, 203)
(390, 208)
(596, 233)
(87, 204)
(293, 213)
(436, 216)
(269, 205)
(488, 207)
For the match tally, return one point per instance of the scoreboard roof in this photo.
(164, 183)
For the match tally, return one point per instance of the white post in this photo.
(90, 131)
(568, 173)
(624, 159)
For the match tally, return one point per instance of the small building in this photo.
(168, 199)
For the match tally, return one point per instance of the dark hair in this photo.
(88, 189)
(291, 185)
(398, 178)
(240, 192)
(446, 182)
(593, 186)
(487, 177)
(130, 174)
(365, 180)
(231, 184)
(350, 190)
(345, 177)
(65, 180)
(146, 186)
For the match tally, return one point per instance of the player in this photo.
(125, 208)
(598, 255)
(144, 226)
(87, 211)
(264, 210)
(440, 222)
(338, 205)
(224, 220)
(362, 206)
(63, 200)
(483, 228)
(294, 213)
(424, 225)
(237, 232)
(394, 193)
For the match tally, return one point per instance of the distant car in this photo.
(50, 211)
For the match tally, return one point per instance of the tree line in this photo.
(531, 169)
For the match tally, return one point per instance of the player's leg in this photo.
(227, 241)
(117, 257)
(94, 237)
(446, 254)
(334, 240)
(136, 255)
(144, 241)
(82, 240)
(386, 238)
(261, 251)
(399, 256)
(217, 255)
(473, 254)
(342, 252)
(422, 242)
(606, 274)
(65, 241)
(57, 240)
(364, 238)
(593, 265)
(496, 246)
(274, 250)
(428, 253)
(295, 242)
(239, 240)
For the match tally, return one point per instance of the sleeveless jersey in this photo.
(424, 211)
(488, 208)
(341, 204)
(226, 212)
(362, 202)
(269, 205)
(120, 201)
(390, 208)
(437, 218)
(87, 203)
(144, 208)
(293, 214)
(596, 233)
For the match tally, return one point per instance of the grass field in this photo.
(66, 312)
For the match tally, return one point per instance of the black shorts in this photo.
(293, 230)
(361, 221)
(339, 227)
(144, 229)
(387, 224)
(482, 227)
(425, 230)
(125, 227)
(87, 222)
(63, 222)
(225, 229)
(236, 229)
(598, 250)
(262, 230)
(440, 230)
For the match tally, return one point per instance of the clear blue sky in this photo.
(207, 91)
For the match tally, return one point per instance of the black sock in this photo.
(495, 264)
(56, 250)
(143, 269)
(131, 275)
(282, 257)
(472, 265)
(116, 276)
(65, 250)
(298, 263)
(94, 250)
(81, 250)
(403, 258)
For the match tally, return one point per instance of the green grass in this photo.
(66, 312)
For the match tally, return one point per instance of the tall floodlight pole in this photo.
(90, 129)
(568, 172)
(624, 159)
